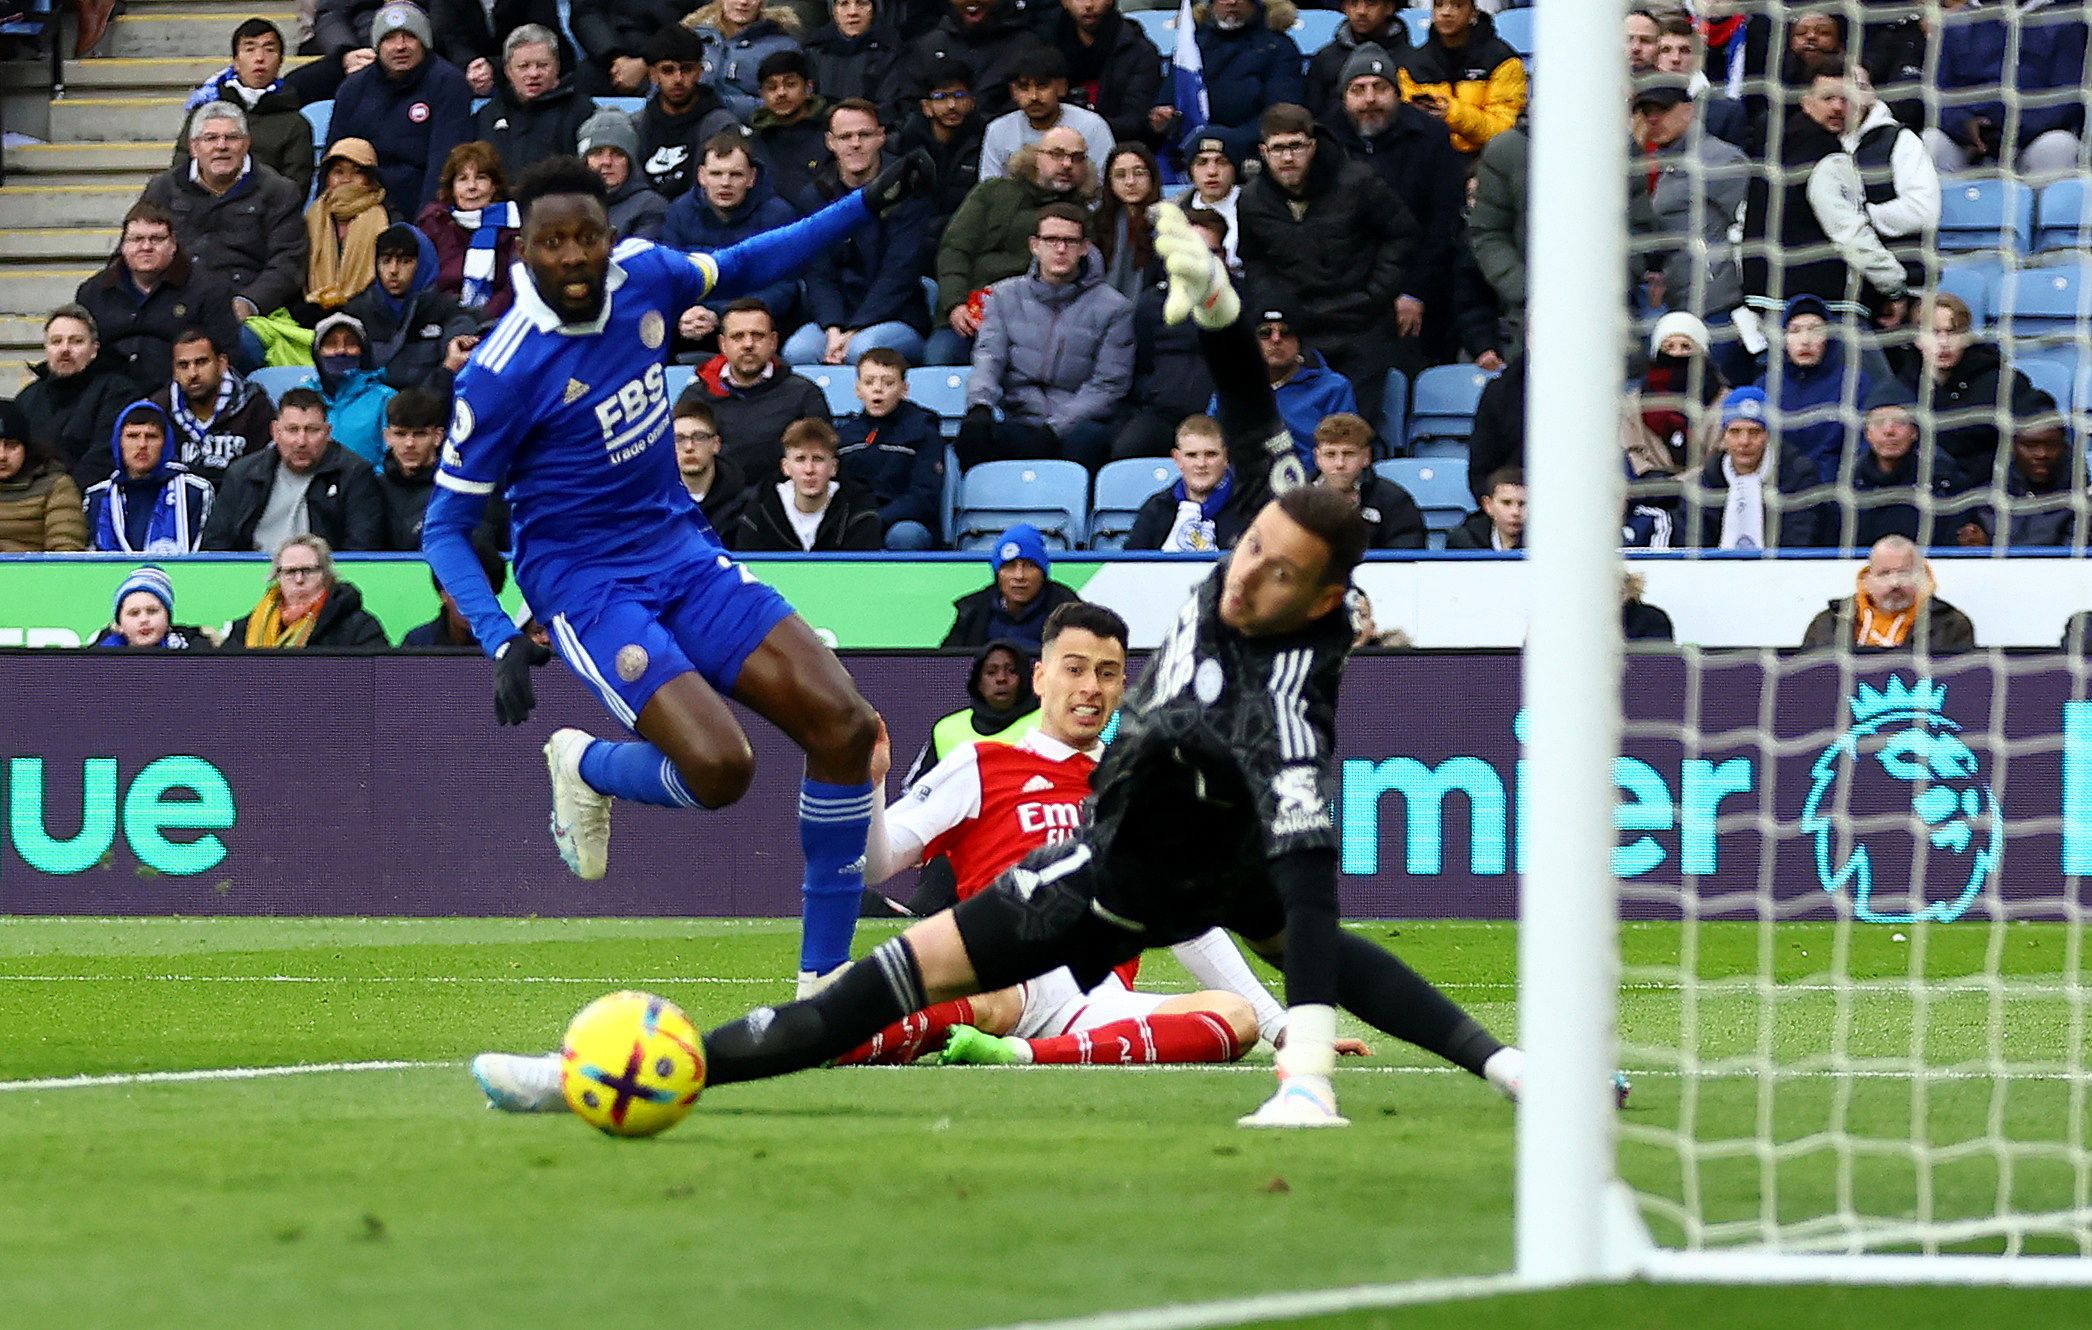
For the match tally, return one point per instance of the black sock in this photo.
(870, 995)
(1374, 985)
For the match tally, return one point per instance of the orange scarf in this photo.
(270, 626)
(1872, 627)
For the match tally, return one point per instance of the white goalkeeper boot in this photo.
(520, 1082)
(1305, 1098)
(1199, 288)
(1505, 1070)
(1301, 1101)
(580, 815)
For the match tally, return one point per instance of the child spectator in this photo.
(1500, 525)
(790, 126)
(149, 504)
(473, 227)
(1200, 512)
(1014, 607)
(810, 511)
(144, 616)
(894, 450)
(1344, 461)
(39, 503)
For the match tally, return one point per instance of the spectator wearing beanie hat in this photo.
(1015, 606)
(1216, 185)
(1671, 421)
(1366, 23)
(144, 616)
(1752, 494)
(411, 105)
(1891, 472)
(610, 146)
(1806, 381)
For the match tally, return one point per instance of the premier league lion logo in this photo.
(1900, 811)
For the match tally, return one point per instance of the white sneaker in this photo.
(520, 1082)
(580, 815)
(811, 983)
(1301, 1101)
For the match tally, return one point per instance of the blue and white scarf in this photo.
(1192, 532)
(187, 421)
(486, 225)
(167, 532)
(213, 89)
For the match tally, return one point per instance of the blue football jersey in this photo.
(572, 424)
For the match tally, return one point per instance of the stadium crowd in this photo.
(268, 354)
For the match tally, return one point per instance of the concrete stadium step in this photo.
(116, 120)
(42, 207)
(86, 163)
(163, 74)
(21, 345)
(35, 292)
(63, 244)
(185, 30)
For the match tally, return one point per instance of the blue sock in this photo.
(636, 771)
(833, 823)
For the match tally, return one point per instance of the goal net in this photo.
(1827, 907)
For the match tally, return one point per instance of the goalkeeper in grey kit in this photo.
(1213, 805)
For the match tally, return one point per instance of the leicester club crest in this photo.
(1900, 811)
(653, 329)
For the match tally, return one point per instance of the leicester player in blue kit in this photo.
(564, 409)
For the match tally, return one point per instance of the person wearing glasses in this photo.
(149, 294)
(990, 237)
(947, 127)
(1054, 355)
(234, 217)
(1307, 389)
(306, 605)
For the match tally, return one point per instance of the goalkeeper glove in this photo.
(514, 697)
(900, 181)
(1198, 281)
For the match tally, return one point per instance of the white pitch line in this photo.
(213, 1074)
(1285, 1306)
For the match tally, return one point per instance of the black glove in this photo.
(979, 415)
(901, 181)
(514, 698)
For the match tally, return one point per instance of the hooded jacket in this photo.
(342, 505)
(1118, 75)
(989, 237)
(526, 133)
(1964, 403)
(731, 62)
(977, 721)
(1342, 261)
(1810, 404)
(343, 623)
(636, 211)
(899, 460)
(1054, 355)
(1314, 391)
(356, 398)
(282, 136)
(139, 327)
(1250, 68)
(412, 121)
(752, 420)
(850, 522)
(1482, 83)
(991, 50)
(240, 426)
(251, 237)
(71, 417)
(409, 335)
(40, 511)
(694, 224)
(671, 146)
(1325, 100)
(874, 276)
(860, 66)
(162, 512)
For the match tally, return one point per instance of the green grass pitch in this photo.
(917, 1197)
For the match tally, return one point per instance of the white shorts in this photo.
(1053, 1005)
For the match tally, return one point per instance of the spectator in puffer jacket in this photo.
(412, 106)
(282, 137)
(39, 503)
(683, 115)
(610, 146)
(866, 293)
(1055, 354)
(1306, 387)
(148, 503)
(218, 416)
(1250, 64)
(419, 336)
(853, 54)
(535, 113)
(989, 238)
(1465, 75)
(981, 34)
(738, 36)
(346, 376)
(894, 449)
(1808, 388)
(1170, 377)
(733, 201)
(809, 511)
(473, 226)
(1974, 43)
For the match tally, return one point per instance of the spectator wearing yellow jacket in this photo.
(1464, 75)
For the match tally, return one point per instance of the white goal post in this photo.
(1578, 1219)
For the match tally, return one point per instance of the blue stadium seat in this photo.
(1418, 21)
(1442, 406)
(1439, 489)
(1515, 26)
(2046, 302)
(679, 377)
(838, 383)
(1394, 411)
(1051, 495)
(629, 105)
(941, 388)
(1122, 487)
(1976, 280)
(1161, 27)
(2056, 370)
(1985, 212)
(276, 380)
(2062, 217)
(319, 115)
(1314, 29)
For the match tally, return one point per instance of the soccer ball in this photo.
(631, 1064)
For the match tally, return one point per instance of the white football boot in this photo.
(520, 1082)
(1300, 1101)
(580, 815)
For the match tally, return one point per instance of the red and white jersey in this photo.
(987, 805)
